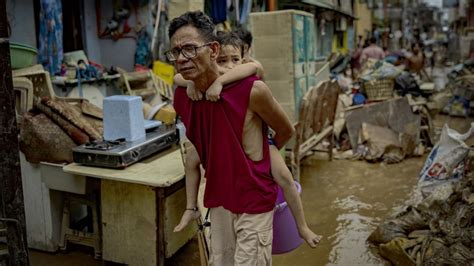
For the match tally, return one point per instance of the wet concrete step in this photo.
(3, 232)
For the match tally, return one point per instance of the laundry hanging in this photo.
(218, 11)
(237, 10)
(51, 35)
(247, 5)
(142, 54)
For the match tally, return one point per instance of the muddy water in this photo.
(344, 201)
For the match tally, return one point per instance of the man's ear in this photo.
(215, 48)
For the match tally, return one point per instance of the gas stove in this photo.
(121, 153)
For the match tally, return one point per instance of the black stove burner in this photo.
(120, 153)
(104, 145)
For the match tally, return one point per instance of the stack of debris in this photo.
(386, 131)
(461, 86)
(386, 113)
(439, 229)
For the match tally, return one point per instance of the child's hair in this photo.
(245, 36)
(230, 38)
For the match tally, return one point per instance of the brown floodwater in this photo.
(344, 201)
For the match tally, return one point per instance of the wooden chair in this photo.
(315, 122)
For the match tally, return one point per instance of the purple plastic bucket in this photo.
(285, 232)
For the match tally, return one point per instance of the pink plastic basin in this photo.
(285, 232)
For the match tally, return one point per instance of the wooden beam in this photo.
(309, 143)
(11, 190)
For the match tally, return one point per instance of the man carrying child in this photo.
(230, 138)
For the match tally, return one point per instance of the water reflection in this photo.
(349, 245)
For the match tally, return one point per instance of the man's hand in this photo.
(187, 217)
(193, 93)
(214, 91)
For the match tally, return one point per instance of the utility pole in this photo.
(12, 205)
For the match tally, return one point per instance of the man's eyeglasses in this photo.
(188, 51)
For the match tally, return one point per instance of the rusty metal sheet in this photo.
(395, 114)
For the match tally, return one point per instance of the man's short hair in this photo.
(372, 40)
(230, 38)
(245, 36)
(197, 19)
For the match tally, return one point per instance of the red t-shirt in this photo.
(234, 181)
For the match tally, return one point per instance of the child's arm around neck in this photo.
(191, 91)
(232, 75)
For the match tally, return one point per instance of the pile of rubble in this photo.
(438, 229)
(382, 115)
(461, 88)
(386, 114)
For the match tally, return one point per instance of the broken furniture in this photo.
(43, 187)
(315, 122)
(395, 114)
(140, 205)
(82, 234)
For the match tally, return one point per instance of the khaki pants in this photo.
(240, 239)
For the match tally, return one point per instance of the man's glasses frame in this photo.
(188, 51)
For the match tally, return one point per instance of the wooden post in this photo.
(11, 190)
(272, 5)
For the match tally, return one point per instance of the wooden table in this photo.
(140, 205)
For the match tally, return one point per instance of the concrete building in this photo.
(334, 20)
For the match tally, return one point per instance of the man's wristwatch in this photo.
(192, 209)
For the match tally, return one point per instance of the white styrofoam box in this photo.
(123, 118)
(55, 178)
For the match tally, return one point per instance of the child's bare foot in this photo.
(311, 238)
(187, 217)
